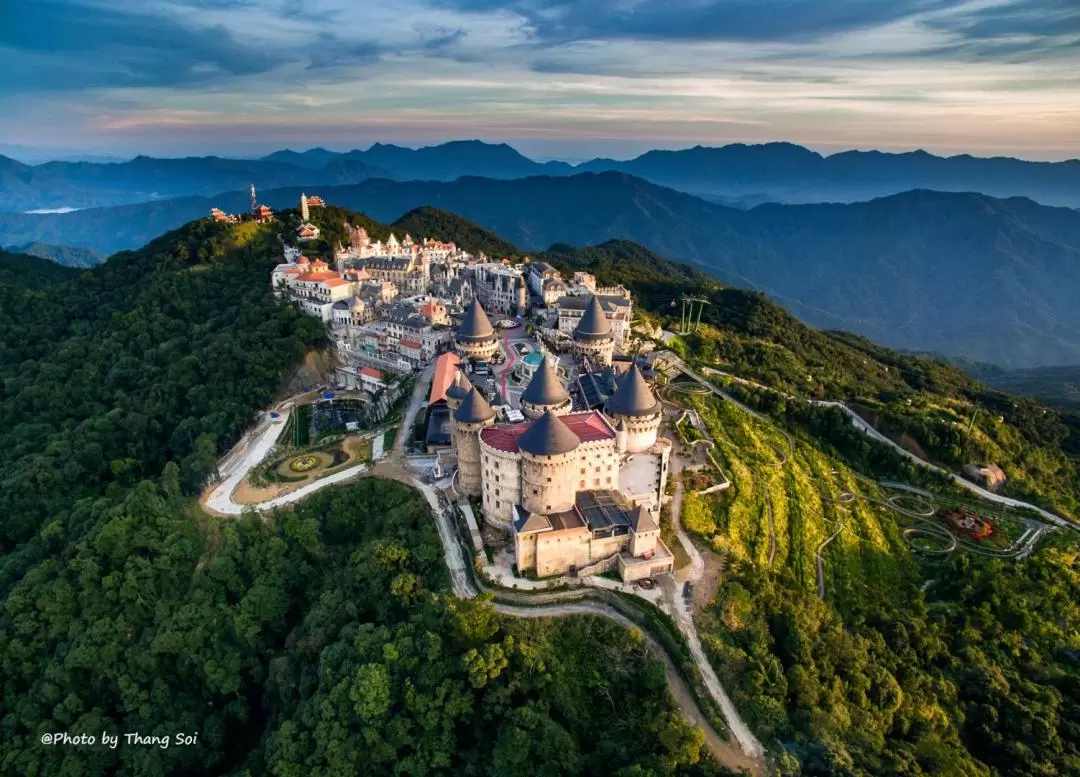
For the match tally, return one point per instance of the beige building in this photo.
(600, 532)
(578, 491)
(616, 308)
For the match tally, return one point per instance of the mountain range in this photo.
(737, 174)
(991, 280)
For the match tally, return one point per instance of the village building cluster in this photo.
(535, 409)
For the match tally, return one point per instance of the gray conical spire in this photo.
(475, 409)
(475, 324)
(545, 387)
(633, 396)
(594, 324)
(459, 388)
(548, 436)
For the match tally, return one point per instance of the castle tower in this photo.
(592, 335)
(457, 392)
(475, 337)
(473, 415)
(545, 392)
(548, 465)
(634, 408)
(305, 212)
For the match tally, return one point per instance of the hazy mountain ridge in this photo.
(66, 256)
(790, 173)
(961, 274)
(736, 174)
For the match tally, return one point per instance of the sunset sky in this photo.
(566, 79)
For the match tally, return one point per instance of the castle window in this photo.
(549, 480)
(581, 484)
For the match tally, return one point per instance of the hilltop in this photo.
(737, 174)
(293, 640)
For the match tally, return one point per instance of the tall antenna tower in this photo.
(253, 202)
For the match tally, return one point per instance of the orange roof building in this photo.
(446, 369)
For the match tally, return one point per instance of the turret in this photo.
(475, 337)
(472, 415)
(592, 335)
(457, 392)
(545, 392)
(548, 465)
(634, 409)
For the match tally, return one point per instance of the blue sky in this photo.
(556, 78)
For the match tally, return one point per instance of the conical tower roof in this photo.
(459, 388)
(545, 387)
(474, 324)
(633, 397)
(594, 324)
(475, 409)
(548, 436)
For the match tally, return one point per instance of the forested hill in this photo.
(156, 356)
(27, 271)
(956, 273)
(915, 398)
(319, 641)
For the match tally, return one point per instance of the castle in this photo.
(579, 491)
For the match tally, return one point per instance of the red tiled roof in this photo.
(371, 372)
(588, 427)
(410, 343)
(446, 367)
(334, 282)
(318, 276)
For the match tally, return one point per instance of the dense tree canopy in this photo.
(318, 641)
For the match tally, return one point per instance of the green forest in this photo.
(323, 640)
(317, 641)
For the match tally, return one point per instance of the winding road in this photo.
(869, 430)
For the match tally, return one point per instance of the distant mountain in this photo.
(87, 185)
(960, 274)
(785, 172)
(1055, 386)
(67, 256)
(312, 159)
(738, 175)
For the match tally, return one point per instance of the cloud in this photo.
(702, 20)
(1012, 30)
(331, 51)
(51, 45)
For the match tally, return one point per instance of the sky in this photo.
(566, 79)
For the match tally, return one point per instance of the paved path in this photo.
(724, 751)
(750, 745)
(748, 755)
(869, 430)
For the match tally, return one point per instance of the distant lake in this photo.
(53, 210)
